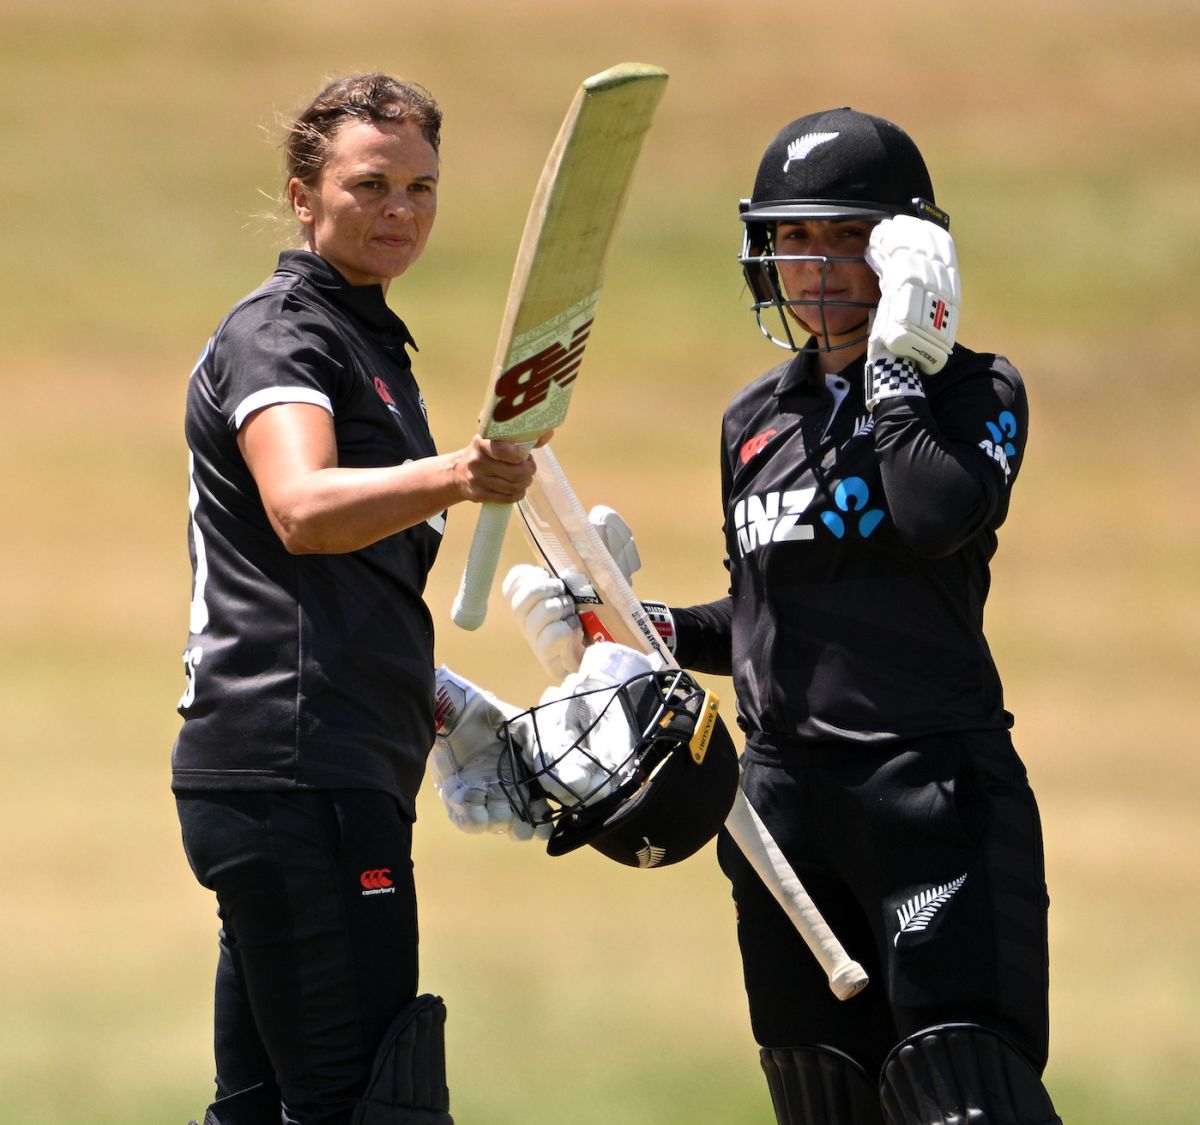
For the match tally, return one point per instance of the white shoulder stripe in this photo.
(273, 396)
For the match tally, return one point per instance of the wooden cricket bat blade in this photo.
(556, 283)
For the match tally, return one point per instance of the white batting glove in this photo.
(465, 759)
(546, 613)
(544, 607)
(618, 538)
(582, 749)
(616, 535)
(913, 329)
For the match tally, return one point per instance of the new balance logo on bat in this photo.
(527, 383)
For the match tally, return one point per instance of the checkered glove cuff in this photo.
(888, 376)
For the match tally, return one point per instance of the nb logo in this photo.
(527, 383)
(374, 880)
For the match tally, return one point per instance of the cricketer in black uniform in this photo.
(308, 711)
(859, 535)
(854, 637)
(329, 684)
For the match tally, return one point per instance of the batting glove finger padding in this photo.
(546, 613)
(920, 292)
(582, 751)
(618, 538)
(465, 760)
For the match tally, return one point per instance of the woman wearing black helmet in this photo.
(863, 481)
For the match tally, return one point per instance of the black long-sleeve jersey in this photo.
(305, 671)
(858, 552)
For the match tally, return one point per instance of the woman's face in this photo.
(371, 210)
(843, 280)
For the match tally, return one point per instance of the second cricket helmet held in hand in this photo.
(647, 780)
(838, 164)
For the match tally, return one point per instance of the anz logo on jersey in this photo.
(786, 516)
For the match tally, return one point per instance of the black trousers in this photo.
(926, 860)
(317, 946)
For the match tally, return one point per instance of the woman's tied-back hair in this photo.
(361, 97)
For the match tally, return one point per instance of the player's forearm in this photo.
(338, 509)
(704, 637)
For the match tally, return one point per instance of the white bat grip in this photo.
(470, 606)
(846, 977)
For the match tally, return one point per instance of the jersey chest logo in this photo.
(788, 516)
(755, 445)
(381, 389)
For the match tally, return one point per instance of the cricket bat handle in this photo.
(470, 606)
(846, 977)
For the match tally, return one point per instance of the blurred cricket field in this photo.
(139, 187)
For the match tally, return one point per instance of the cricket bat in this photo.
(571, 547)
(556, 285)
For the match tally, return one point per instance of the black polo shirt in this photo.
(305, 671)
(858, 552)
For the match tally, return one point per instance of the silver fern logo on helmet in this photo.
(802, 146)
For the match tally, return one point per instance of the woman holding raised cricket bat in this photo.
(318, 501)
(863, 482)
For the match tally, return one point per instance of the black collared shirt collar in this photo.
(800, 374)
(363, 301)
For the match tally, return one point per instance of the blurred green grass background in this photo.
(140, 161)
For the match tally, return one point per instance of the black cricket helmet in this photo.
(838, 164)
(659, 800)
